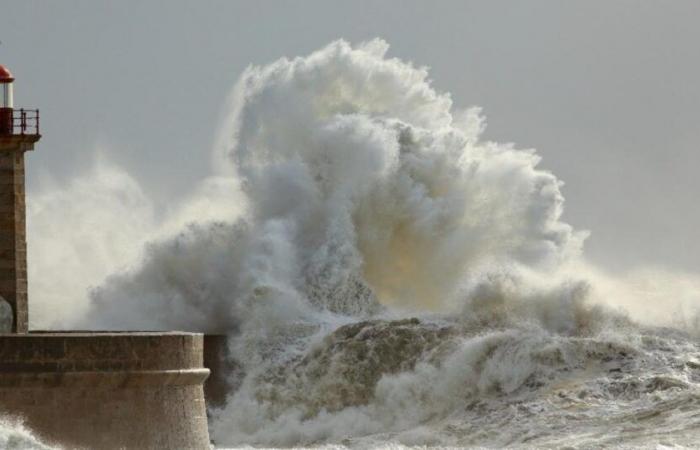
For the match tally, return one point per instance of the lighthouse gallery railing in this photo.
(25, 121)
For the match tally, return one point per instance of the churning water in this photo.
(388, 278)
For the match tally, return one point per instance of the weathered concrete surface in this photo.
(13, 242)
(107, 390)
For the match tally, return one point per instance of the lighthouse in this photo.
(19, 130)
(77, 389)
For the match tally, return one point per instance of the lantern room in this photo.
(14, 122)
(6, 80)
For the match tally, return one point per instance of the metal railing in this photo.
(25, 121)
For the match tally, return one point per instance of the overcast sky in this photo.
(608, 92)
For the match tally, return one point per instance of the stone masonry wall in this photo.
(106, 390)
(13, 245)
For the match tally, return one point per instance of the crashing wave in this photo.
(388, 276)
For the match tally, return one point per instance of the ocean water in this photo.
(415, 383)
(389, 279)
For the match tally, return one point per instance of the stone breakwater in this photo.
(106, 390)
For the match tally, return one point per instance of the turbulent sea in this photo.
(442, 383)
(389, 279)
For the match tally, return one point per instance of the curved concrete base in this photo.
(106, 390)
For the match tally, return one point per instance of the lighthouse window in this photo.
(6, 100)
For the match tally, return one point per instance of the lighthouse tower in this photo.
(19, 130)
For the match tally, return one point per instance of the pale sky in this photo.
(608, 92)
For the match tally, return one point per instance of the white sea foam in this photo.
(14, 436)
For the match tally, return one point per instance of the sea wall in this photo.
(106, 390)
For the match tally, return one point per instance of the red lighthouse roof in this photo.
(5, 75)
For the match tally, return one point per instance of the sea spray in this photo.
(14, 436)
(388, 276)
(361, 188)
